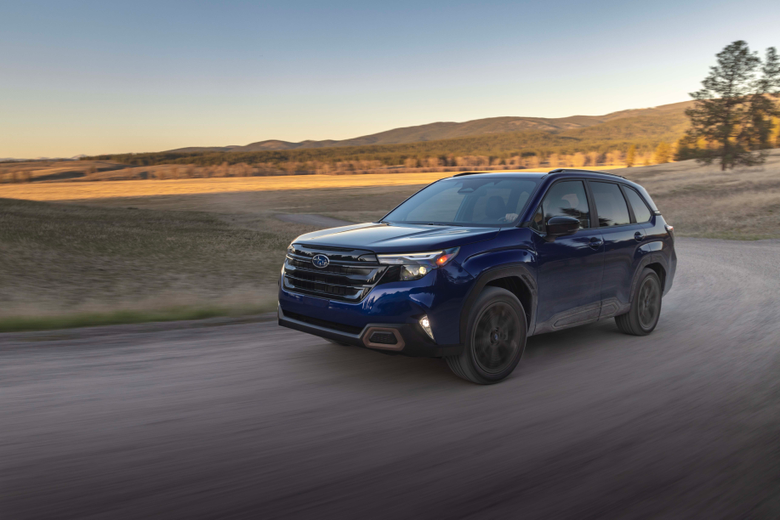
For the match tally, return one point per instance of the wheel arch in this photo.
(657, 263)
(660, 271)
(515, 278)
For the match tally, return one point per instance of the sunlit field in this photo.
(163, 247)
(145, 188)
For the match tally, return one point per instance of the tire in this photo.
(496, 338)
(645, 310)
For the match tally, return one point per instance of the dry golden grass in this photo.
(699, 200)
(703, 201)
(43, 171)
(146, 188)
(67, 259)
(150, 246)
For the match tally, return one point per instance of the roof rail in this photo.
(468, 173)
(576, 170)
(557, 170)
(494, 171)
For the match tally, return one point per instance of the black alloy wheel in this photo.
(495, 340)
(649, 303)
(645, 310)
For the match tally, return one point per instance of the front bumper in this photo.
(394, 307)
(409, 340)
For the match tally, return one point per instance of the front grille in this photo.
(350, 275)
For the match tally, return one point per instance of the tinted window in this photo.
(564, 199)
(499, 200)
(439, 207)
(610, 204)
(647, 198)
(641, 211)
(481, 201)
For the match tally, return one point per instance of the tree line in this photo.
(518, 149)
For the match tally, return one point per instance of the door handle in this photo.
(595, 242)
(638, 236)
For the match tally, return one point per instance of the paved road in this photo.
(253, 421)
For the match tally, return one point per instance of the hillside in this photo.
(602, 141)
(665, 114)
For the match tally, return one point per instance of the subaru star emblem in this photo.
(320, 261)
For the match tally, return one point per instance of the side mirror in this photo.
(560, 226)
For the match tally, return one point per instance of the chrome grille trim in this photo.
(350, 276)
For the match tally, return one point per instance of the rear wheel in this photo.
(496, 338)
(645, 306)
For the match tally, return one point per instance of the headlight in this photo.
(416, 265)
(413, 272)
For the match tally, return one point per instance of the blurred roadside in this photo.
(123, 252)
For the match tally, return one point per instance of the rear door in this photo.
(569, 267)
(622, 237)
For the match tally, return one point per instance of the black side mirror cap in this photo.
(560, 226)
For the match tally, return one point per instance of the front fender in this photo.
(501, 264)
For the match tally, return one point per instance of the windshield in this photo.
(467, 201)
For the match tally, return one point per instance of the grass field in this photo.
(70, 191)
(702, 201)
(58, 259)
(145, 250)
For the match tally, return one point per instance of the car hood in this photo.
(397, 238)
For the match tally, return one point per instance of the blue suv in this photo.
(471, 266)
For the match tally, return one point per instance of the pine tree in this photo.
(663, 153)
(774, 136)
(763, 108)
(733, 110)
(631, 156)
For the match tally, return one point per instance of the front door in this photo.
(570, 267)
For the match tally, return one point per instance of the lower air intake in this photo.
(386, 338)
(383, 338)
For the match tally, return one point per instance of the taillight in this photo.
(670, 230)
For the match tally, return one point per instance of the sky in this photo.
(93, 77)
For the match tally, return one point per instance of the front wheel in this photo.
(645, 310)
(496, 338)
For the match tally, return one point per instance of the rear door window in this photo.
(610, 204)
(641, 211)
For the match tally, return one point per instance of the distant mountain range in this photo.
(638, 121)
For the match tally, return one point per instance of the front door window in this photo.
(564, 199)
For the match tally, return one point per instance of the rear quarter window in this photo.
(641, 211)
(646, 196)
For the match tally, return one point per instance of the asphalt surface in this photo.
(249, 420)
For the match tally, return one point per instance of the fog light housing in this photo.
(425, 323)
